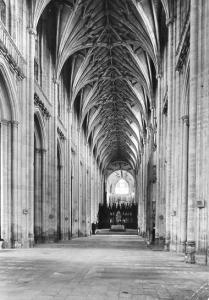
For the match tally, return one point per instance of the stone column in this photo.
(60, 206)
(74, 203)
(88, 200)
(184, 195)
(89, 188)
(5, 207)
(169, 133)
(14, 185)
(190, 247)
(95, 190)
(158, 163)
(68, 216)
(53, 213)
(80, 185)
(92, 189)
(38, 195)
(44, 215)
(28, 181)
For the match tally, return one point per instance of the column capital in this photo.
(69, 110)
(15, 123)
(37, 150)
(169, 21)
(159, 75)
(32, 31)
(185, 119)
(8, 122)
(41, 151)
(5, 122)
(55, 80)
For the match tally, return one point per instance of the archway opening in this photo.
(120, 207)
(59, 168)
(7, 172)
(38, 181)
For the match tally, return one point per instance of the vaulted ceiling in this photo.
(114, 49)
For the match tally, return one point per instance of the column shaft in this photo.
(192, 132)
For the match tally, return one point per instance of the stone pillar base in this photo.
(190, 252)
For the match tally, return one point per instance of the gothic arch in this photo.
(39, 182)
(8, 156)
(185, 94)
(39, 128)
(38, 7)
(8, 110)
(60, 150)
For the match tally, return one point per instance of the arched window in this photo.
(122, 187)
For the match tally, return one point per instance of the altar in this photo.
(117, 227)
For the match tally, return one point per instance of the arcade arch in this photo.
(39, 192)
(8, 158)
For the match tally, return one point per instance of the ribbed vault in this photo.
(114, 49)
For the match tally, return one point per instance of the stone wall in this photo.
(50, 180)
(182, 134)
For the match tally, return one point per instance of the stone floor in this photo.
(99, 267)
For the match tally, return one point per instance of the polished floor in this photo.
(99, 267)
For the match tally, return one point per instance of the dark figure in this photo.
(153, 233)
(93, 227)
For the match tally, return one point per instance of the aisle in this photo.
(98, 267)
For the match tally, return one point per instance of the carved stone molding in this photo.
(5, 122)
(41, 106)
(10, 52)
(61, 134)
(185, 119)
(165, 103)
(40, 151)
(15, 123)
(73, 147)
(32, 31)
(154, 147)
(184, 44)
(8, 122)
(169, 21)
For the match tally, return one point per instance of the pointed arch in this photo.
(37, 10)
(185, 88)
(8, 105)
(60, 151)
(59, 190)
(39, 128)
(39, 178)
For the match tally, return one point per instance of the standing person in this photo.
(93, 227)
